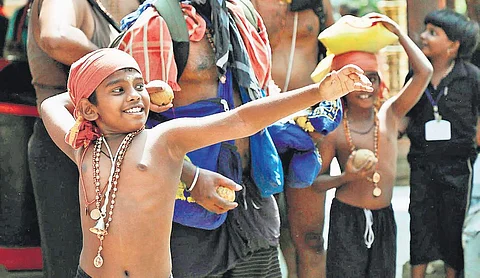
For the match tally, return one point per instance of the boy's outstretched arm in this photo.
(56, 115)
(243, 121)
(421, 66)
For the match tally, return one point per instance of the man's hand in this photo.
(205, 191)
(339, 83)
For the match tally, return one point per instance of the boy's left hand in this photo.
(205, 192)
(339, 83)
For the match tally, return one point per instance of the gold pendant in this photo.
(95, 214)
(376, 177)
(99, 228)
(98, 261)
(377, 191)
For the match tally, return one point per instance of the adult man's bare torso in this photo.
(280, 22)
(199, 81)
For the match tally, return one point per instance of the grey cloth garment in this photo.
(55, 187)
(54, 175)
(220, 26)
(250, 228)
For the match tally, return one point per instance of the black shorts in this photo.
(81, 273)
(438, 198)
(347, 252)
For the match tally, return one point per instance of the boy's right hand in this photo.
(365, 171)
(205, 191)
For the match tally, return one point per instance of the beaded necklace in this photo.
(99, 213)
(377, 191)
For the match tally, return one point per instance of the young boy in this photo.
(362, 232)
(129, 176)
(442, 129)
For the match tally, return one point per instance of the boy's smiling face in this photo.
(365, 99)
(122, 102)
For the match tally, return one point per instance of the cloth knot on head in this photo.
(84, 77)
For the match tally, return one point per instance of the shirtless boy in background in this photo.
(304, 206)
(362, 232)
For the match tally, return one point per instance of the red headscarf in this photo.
(365, 60)
(84, 77)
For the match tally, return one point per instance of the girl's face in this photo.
(122, 102)
(363, 99)
(435, 42)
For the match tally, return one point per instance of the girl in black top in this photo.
(442, 131)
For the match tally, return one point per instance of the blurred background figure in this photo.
(347, 9)
(3, 27)
(293, 29)
(59, 33)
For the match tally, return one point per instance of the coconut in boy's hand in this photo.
(160, 92)
(226, 193)
(361, 156)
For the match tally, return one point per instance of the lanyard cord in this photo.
(434, 102)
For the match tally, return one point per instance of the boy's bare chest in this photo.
(384, 144)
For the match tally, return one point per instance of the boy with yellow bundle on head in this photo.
(362, 232)
(129, 175)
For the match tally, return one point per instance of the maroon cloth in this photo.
(365, 60)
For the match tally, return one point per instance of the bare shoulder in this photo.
(163, 139)
(328, 142)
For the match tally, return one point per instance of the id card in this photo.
(438, 130)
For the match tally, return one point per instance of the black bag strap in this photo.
(105, 14)
(172, 14)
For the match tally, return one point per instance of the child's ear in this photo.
(87, 110)
(453, 48)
